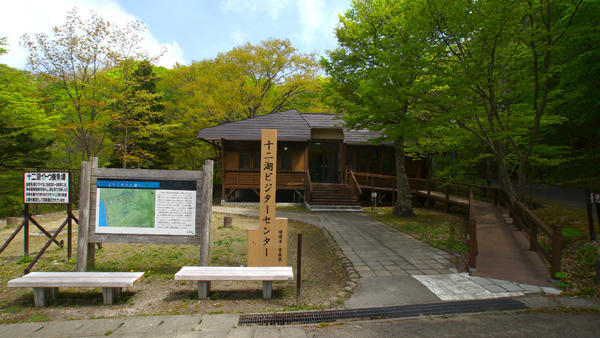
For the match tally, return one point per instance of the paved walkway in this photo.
(396, 269)
(521, 324)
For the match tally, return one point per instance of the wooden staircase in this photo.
(333, 196)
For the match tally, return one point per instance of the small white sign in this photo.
(595, 198)
(46, 187)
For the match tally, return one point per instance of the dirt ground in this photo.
(323, 276)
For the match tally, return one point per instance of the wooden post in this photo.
(447, 198)
(533, 236)
(227, 220)
(556, 250)
(26, 230)
(590, 215)
(472, 243)
(299, 268)
(267, 245)
(206, 209)
(70, 219)
(84, 211)
(495, 196)
(91, 247)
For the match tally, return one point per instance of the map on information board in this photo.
(126, 208)
(146, 207)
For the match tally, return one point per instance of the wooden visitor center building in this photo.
(318, 162)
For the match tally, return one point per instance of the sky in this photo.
(189, 29)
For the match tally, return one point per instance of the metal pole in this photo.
(299, 268)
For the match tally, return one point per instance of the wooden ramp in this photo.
(503, 252)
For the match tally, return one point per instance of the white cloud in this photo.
(238, 37)
(272, 7)
(30, 16)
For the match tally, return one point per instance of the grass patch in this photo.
(438, 229)
(38, 317)
(158, 292)
(579, 253)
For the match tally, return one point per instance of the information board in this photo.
(148, 207)
(46, 187)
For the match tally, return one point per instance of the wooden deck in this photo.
(503, 252)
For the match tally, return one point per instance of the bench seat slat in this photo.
(70, 274)
(210, 273)
(76, 279)
(59, 282)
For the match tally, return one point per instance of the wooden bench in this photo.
(45, 284)
(205, 274)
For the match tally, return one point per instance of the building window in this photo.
(244, 161)
(256, 162)
(286, 158)
(366, 159)
(388, 161)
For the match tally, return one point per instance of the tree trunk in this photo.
(503, 174)
(403, 207)
(522, 177)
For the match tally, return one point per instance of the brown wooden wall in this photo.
(380, 160)
(233, 149)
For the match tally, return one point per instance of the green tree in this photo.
(492, 74)
(26, 132)
(72, 58)
(247, 81)
(374, 77)
(578, 87)
(136, 127)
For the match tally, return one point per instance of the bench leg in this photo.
(52, 293)
(110, 295)
(39, 296)
(267, 289)
(203, 289)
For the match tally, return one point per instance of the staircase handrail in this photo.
(354, 184)
(308, 187)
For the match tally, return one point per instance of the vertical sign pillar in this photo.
(267, 245)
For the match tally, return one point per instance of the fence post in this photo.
(533, 236)
(472, 243)
(447, 198)
(556, 250)
(590, 215)
(428, 192)
(495, 196)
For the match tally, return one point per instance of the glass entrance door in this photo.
(323, 162)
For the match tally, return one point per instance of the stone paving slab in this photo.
(397, 269)
(462, 286)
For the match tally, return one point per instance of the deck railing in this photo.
(249, 179)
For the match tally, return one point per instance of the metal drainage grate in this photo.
(311, 317)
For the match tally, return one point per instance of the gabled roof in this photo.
(322, 120)
(290, 124)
